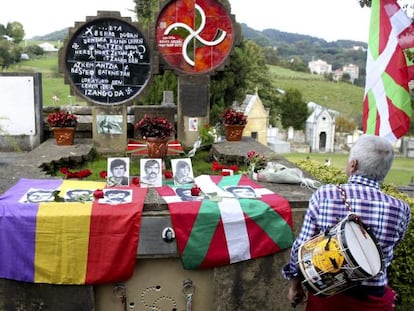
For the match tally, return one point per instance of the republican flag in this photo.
(387, 100)
(210, 233)
(67, 242)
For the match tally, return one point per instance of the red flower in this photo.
(225, 173)
(62, 119)
(234, 168)
(168, 175)
(103, 174)
(80, 174)
(216, 166)
(64, 170)
(135, 181)
(233, 117)
(195, 191)
(98, 194)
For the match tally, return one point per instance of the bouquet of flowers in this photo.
(256, 161)
(154, 127)
(62, 119)
(233, 117)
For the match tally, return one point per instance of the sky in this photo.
(326, 19)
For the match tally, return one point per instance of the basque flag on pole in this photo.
(387, 100)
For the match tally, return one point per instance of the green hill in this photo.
(340, 96)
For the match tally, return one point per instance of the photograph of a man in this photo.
(185, 195)
(37, 196)
(150, 173)
(75, 195)
(182, 171)
(242, 192)
(116, 196)
(118, 172)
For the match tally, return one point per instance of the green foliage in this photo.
(401, 272)
(153, 94)
(344, 125)
(16, 31)
(34, 50)
(293, 110)
(145, 10)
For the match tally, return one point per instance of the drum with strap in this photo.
(338, 259)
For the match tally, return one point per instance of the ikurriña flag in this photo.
(387, 100)
(213, 233)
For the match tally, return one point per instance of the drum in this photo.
(338, 259)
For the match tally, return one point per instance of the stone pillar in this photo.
(193, 105)
(109, 128)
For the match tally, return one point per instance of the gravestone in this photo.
(107, 61)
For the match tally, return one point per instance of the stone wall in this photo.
(85, 122)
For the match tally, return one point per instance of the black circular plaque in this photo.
(108, 61)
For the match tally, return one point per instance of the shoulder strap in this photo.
(344, 198)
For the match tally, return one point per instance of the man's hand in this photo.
(296, 294)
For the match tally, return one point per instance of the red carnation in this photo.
(135, 181)
(195, 191)
(168, 175)
(103, 174)
(98, 194)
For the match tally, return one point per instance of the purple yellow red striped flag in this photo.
(67, 242)
(387, 100)
(215, 233)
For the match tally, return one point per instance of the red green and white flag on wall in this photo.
(387, 100)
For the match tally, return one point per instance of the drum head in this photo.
(363, 248)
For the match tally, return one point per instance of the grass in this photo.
(52, 81)
(340, 96)
(401, 173)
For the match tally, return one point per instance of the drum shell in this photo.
(328, 281)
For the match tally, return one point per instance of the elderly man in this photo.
(369, 161)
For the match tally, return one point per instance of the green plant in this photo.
(206, 134)
(154, 127)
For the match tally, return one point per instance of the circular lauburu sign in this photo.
(108, 61)
(194, 36)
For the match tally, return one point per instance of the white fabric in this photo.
(235, 229)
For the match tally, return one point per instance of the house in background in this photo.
(48, 47)
(320, 67)
(257, 118)
(320, 128)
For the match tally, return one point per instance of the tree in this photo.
(145, 10)
(293, 110)
(16, 31)
(153, 94)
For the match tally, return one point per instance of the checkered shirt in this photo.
(386, 217)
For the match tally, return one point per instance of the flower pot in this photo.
(157, 147)
(64, 135)
(234, 132)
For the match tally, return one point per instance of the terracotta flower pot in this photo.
(157, 147)
(64, 135)
(234, 132)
